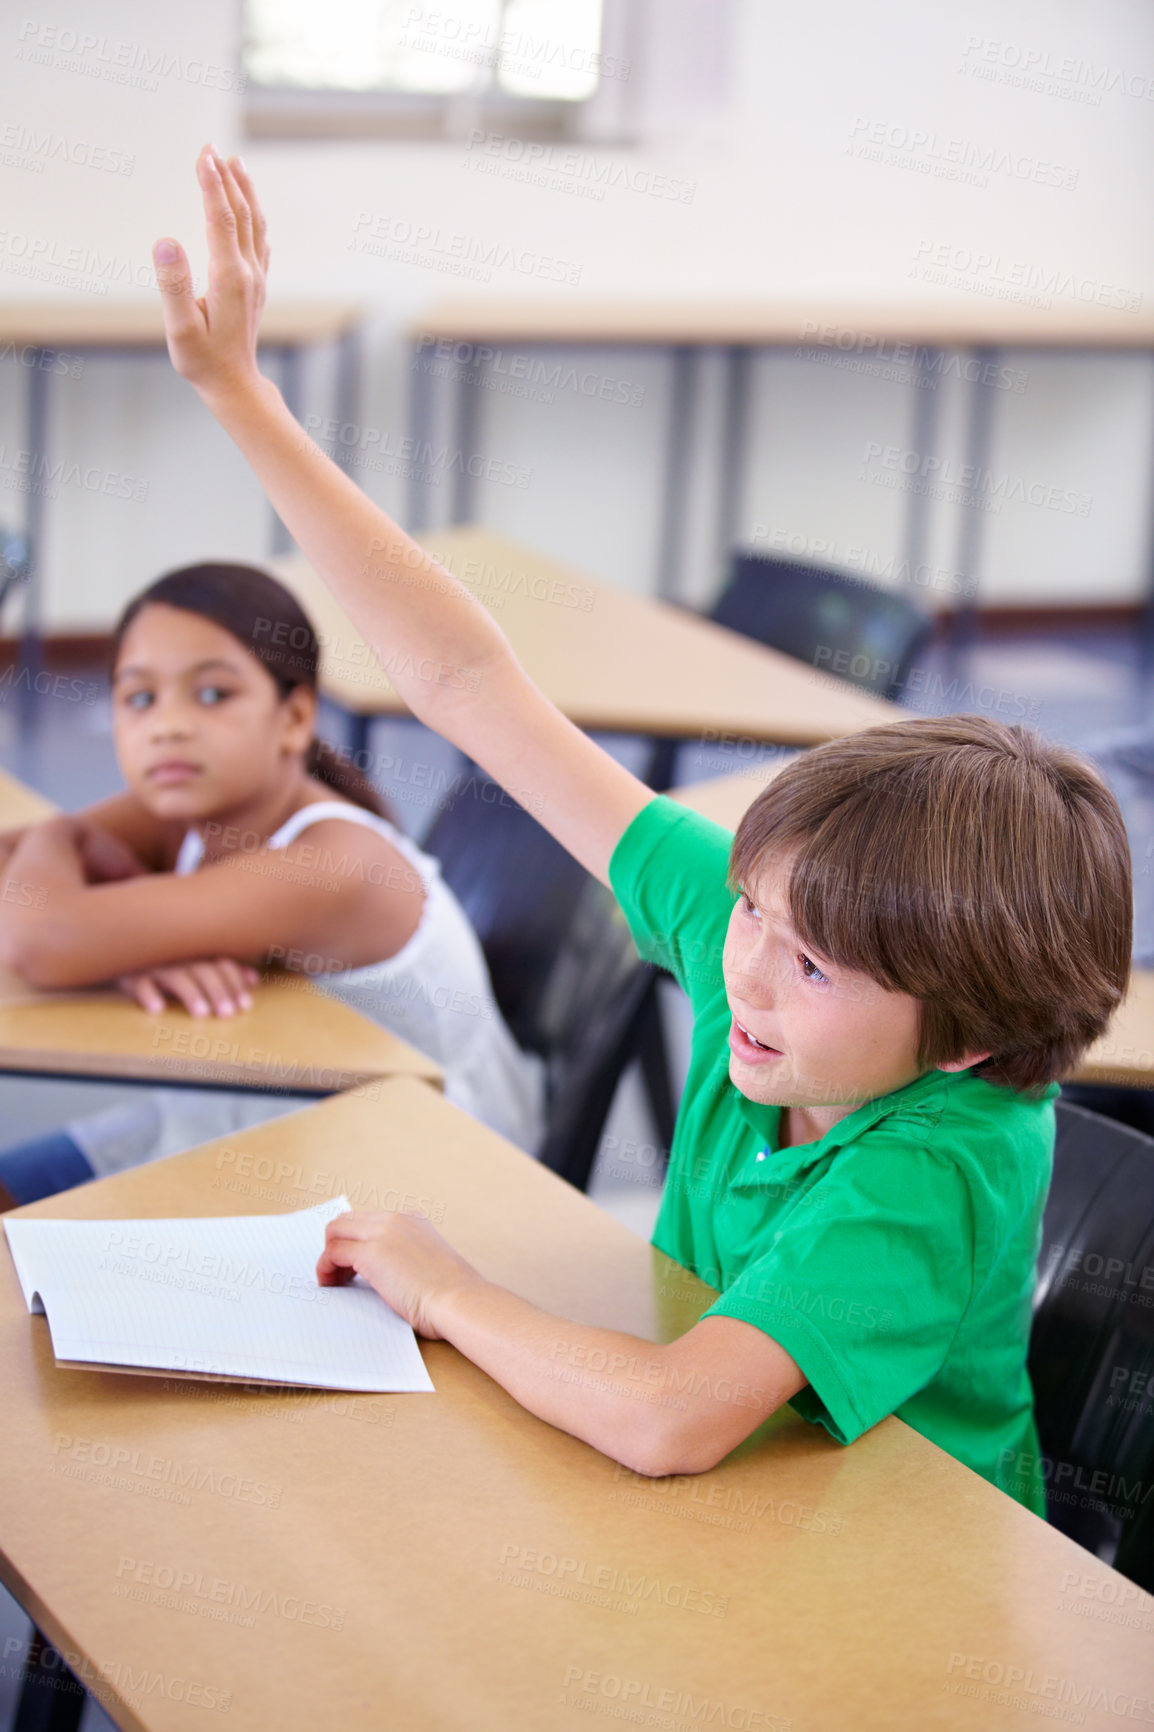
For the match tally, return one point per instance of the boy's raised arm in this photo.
(408, 607)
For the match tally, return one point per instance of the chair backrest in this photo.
(518, 886)
(564, 968)
(833, 620)
(600, 1002)
(1092, 1343)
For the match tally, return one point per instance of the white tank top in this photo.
(434, 992)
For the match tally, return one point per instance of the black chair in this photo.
(834, 621)
(599, 1012)
(518, 886)
(1092, 1343)
(564, 968)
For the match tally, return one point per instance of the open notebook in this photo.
(234, 1296)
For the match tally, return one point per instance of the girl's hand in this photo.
(212, 337)
(219, 988)
(402, 1256)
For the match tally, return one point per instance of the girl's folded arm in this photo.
(70, 933)
(153, 840)
(447, 658)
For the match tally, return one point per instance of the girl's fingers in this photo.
(184, 988)
(214, 988)
(240, 210)
(234, 977)
(143, 988)
(259, 225)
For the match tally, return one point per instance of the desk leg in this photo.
(51, 1699)
(682, 402)
(923, 441)
(964, 625)
(358, 729)
(421, 430)
(290, 390)
(347, 395)
(1146, 650)
(469, 385)
(35, 519)
(734, 443)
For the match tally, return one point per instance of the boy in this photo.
(932, 921)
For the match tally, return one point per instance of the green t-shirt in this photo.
(894, 1259)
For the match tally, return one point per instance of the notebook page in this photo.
(232, 1296)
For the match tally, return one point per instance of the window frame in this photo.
(289, 112)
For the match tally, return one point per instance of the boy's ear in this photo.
(970, 1058)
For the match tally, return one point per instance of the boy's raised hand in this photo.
(212, 337)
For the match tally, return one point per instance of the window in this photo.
(407, 67)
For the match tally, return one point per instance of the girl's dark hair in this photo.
(268, 621)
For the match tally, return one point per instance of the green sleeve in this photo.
(867, 1282)
(670, 872)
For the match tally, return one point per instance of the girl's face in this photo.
(201, 730)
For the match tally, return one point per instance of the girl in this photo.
(240, 838)
(932, 923)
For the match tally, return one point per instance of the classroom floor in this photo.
(1079, 688)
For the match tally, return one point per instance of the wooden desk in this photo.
(608, 659)
(1124, 1057)
(481, 336)
(20, 804)
(448, 1561)
(47, 329)
(295, 1038)
(937, 320)
(104, 325)
(726, 799)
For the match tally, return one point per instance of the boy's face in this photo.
(836, 1037)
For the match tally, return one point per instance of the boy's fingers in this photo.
(182, 314)
(220, 219)
(333, 1268)
(259, 224)
(239, 205)
(341, 1227)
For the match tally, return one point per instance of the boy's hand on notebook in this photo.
(399, 1254)
(217, 988)
(212, 337)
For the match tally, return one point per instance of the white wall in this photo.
(782, 206)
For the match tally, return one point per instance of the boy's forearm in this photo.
(428, 628)
(605, 1387)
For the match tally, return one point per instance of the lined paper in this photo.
(222, 1296)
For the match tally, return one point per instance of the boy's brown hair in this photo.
(969, 864)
